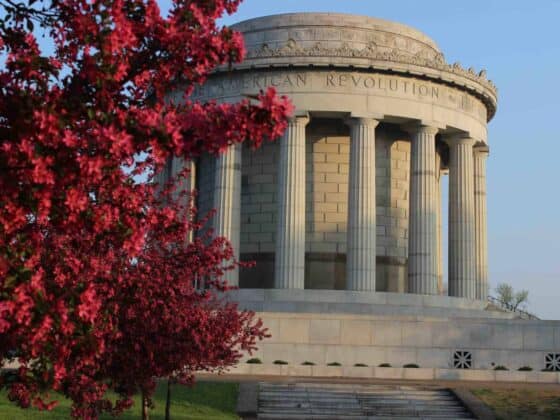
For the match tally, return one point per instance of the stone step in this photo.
(268, 394)
(311, 401)
(287, 388)
(368, 410)
(362, 399)
(284, 416)
(320, 396)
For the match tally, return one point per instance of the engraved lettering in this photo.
(356, 80)
(369, 83)
(405, 85)
(435, 92)
(256, 83)
(275, 80)
(381, 84)
(301, 80)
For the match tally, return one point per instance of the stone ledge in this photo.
(428, 374)
(346, 303)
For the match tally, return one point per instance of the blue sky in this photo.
(518, 42)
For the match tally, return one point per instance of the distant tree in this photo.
(510, 298)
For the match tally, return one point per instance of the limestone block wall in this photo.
(258, 214)
(392, 171)
(327, 168)
(205, 177)
(399, 340)
(328, 160)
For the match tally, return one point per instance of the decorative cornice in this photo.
(372, 52)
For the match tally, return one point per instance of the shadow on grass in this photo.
(204, 401)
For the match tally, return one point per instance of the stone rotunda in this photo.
(343, 214)
(350, 197)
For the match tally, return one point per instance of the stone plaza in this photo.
(343, 214)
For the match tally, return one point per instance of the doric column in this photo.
(422, 234)
(461, 218)
(439, 175)
(289, 266)
(183, 187)
(361, 248)
(186, 186)
(227, 202)
(481, 244)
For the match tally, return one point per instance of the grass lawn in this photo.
(205, 401)
(521, 404)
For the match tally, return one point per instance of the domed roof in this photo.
(336, 30)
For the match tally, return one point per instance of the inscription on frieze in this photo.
(339, 82)
(382, 83)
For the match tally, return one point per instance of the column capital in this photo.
(482, 150)
(368, 121)
(422, 128)
(300, 119)
(457, 139)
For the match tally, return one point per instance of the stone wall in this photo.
(400, 340)
(327, 164)
(205, 177)
(326, 206)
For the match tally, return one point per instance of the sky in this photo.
(518, 42)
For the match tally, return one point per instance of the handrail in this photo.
(503, 305)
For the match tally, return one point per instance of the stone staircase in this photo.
(326, 401)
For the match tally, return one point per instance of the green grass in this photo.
(205, 401)
(521, 404)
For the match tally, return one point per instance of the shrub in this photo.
(360, 365)
(525, 369)
(254, 361)
(334, 364)
(280, 362)
(500, 367)
(306, 363)
(411, 365)
(385, 365)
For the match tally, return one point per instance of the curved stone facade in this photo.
(350, 197)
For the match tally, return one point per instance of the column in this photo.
(227, 202)
(439, 226)
(289, 266)
(422, 234)
(461, 218)
(481, 241)
(186, 186)
(361, 242)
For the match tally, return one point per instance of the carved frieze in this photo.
(371, 51)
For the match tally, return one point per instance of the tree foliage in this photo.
(511, 299)
(96, 281)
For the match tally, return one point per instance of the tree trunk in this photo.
(168, 401)
(145, 407)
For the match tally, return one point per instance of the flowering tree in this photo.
(96, 280)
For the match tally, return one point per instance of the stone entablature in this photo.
(340, 40)
(394, 97)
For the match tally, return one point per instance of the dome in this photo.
(335, 30)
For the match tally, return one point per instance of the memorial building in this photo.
(343, 214)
